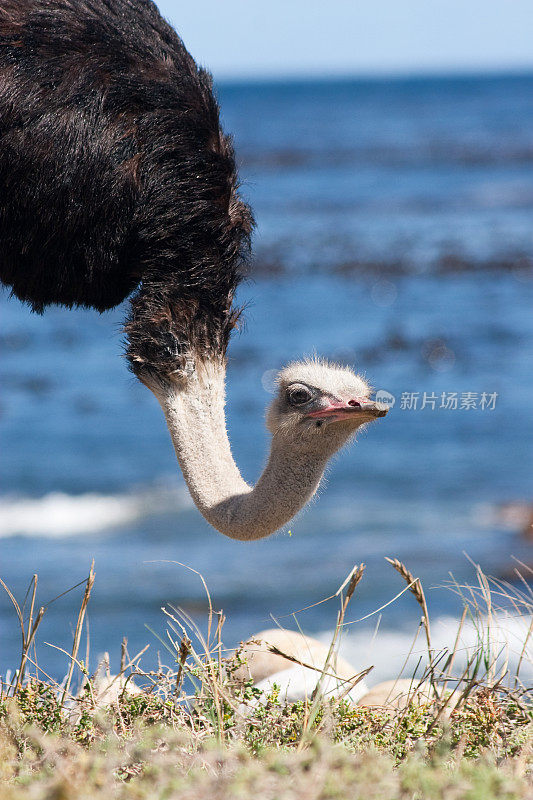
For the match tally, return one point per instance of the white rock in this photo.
(297, 681)
(397, 694)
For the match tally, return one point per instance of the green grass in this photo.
(197, 731)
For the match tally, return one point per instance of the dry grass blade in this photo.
(470, 684)
(74, 661)
(205, 663)
(206, 590)
(406, 659)
(48, 677)
(455, 648)
(183, 652)
(123, 654)
(415, 587)
(29, 641)
(273, 649)
(77, 633)
(351, 582)
(524, 650)
(352, 682)
(27, 634)
(15, 604)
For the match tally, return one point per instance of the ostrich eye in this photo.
(298, 395)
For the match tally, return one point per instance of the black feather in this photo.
(115, 175)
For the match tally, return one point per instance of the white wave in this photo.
(501, 638)
(58, 514)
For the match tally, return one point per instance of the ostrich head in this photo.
(320, 406)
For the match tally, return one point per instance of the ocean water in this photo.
(395, 234)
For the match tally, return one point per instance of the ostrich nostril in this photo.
(354, 403)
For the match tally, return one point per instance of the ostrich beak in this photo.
(357, 406)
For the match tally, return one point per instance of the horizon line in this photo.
(308, 76)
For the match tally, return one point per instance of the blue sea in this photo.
(395, 234)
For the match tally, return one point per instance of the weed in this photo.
(196, 728)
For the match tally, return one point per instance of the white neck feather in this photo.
(196, 420)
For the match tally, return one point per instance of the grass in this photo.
(194, 729)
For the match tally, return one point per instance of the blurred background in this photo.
(387, 151)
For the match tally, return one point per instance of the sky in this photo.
(254, 38)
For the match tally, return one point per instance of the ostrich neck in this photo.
(196, 421)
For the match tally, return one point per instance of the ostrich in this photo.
(117, 180)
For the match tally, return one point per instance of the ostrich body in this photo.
(116, 178)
